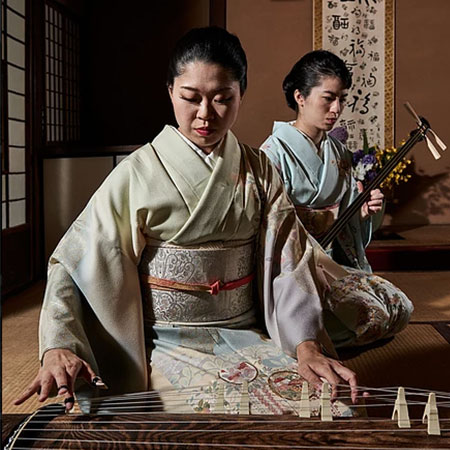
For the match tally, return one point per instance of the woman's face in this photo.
(206, 101)
(321, 109)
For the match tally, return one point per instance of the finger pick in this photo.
(97, 381)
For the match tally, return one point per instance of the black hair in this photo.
(308, 72)
(210, 45)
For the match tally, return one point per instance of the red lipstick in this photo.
(204, 131)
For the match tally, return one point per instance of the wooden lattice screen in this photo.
(62, 76)
(14, 120)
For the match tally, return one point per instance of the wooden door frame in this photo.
(37, 110)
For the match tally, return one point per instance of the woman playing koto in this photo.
(316, 172)
(159, 280)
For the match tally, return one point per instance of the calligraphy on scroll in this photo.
(361, 33)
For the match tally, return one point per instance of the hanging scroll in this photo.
(361, 33)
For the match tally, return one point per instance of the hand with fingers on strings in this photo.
(315, 367)
(60, 367)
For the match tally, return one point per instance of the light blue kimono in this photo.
(319, 182)
(360, 307)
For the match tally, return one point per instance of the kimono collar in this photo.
(323, 174)
(187, 170)
(202, 190)
(302, 145)
(290, 134)
(209, 158)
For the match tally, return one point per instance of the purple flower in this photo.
(370, 175)
(369, 159)
(339, 133)
(357, 156)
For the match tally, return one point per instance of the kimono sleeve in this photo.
(291, 288)
(93, 304)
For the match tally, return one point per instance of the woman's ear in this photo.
(299, 99)
(170, 90)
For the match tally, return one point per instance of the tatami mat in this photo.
(417, 357)
(14, 379)
(429, 292)
(20, 362)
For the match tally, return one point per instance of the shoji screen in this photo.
(62, 76)
(14, 95)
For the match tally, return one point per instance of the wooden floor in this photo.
(438, 235)
(417, 357)
(420, 248)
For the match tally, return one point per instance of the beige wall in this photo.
(422, 78)
(275, 33)
(68, 185)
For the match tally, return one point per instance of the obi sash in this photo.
(202, 285)
(318, 220)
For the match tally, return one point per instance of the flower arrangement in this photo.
(367, 161)
(398, 175)
(364, 162)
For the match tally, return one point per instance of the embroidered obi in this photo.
(318, 220)
(207, 284)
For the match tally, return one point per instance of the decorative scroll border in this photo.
(389, 77)
(317, 24)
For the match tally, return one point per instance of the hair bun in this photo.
(289, 89)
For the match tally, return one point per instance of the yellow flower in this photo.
(397, 175)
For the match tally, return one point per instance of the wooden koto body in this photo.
(208, 431)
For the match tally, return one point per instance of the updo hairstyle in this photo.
(212, 45)
(309, 71)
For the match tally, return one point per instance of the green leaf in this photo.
(365, 142)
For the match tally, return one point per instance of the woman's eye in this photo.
(223, 100)
(190, 99)
(329, 99)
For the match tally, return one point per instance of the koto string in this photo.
(249, 430)
(387, 391)
(141, 400)
(116, 404)
(388, 399)
(386, 395)
(392, 390)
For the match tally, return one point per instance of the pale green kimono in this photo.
(164, 191)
